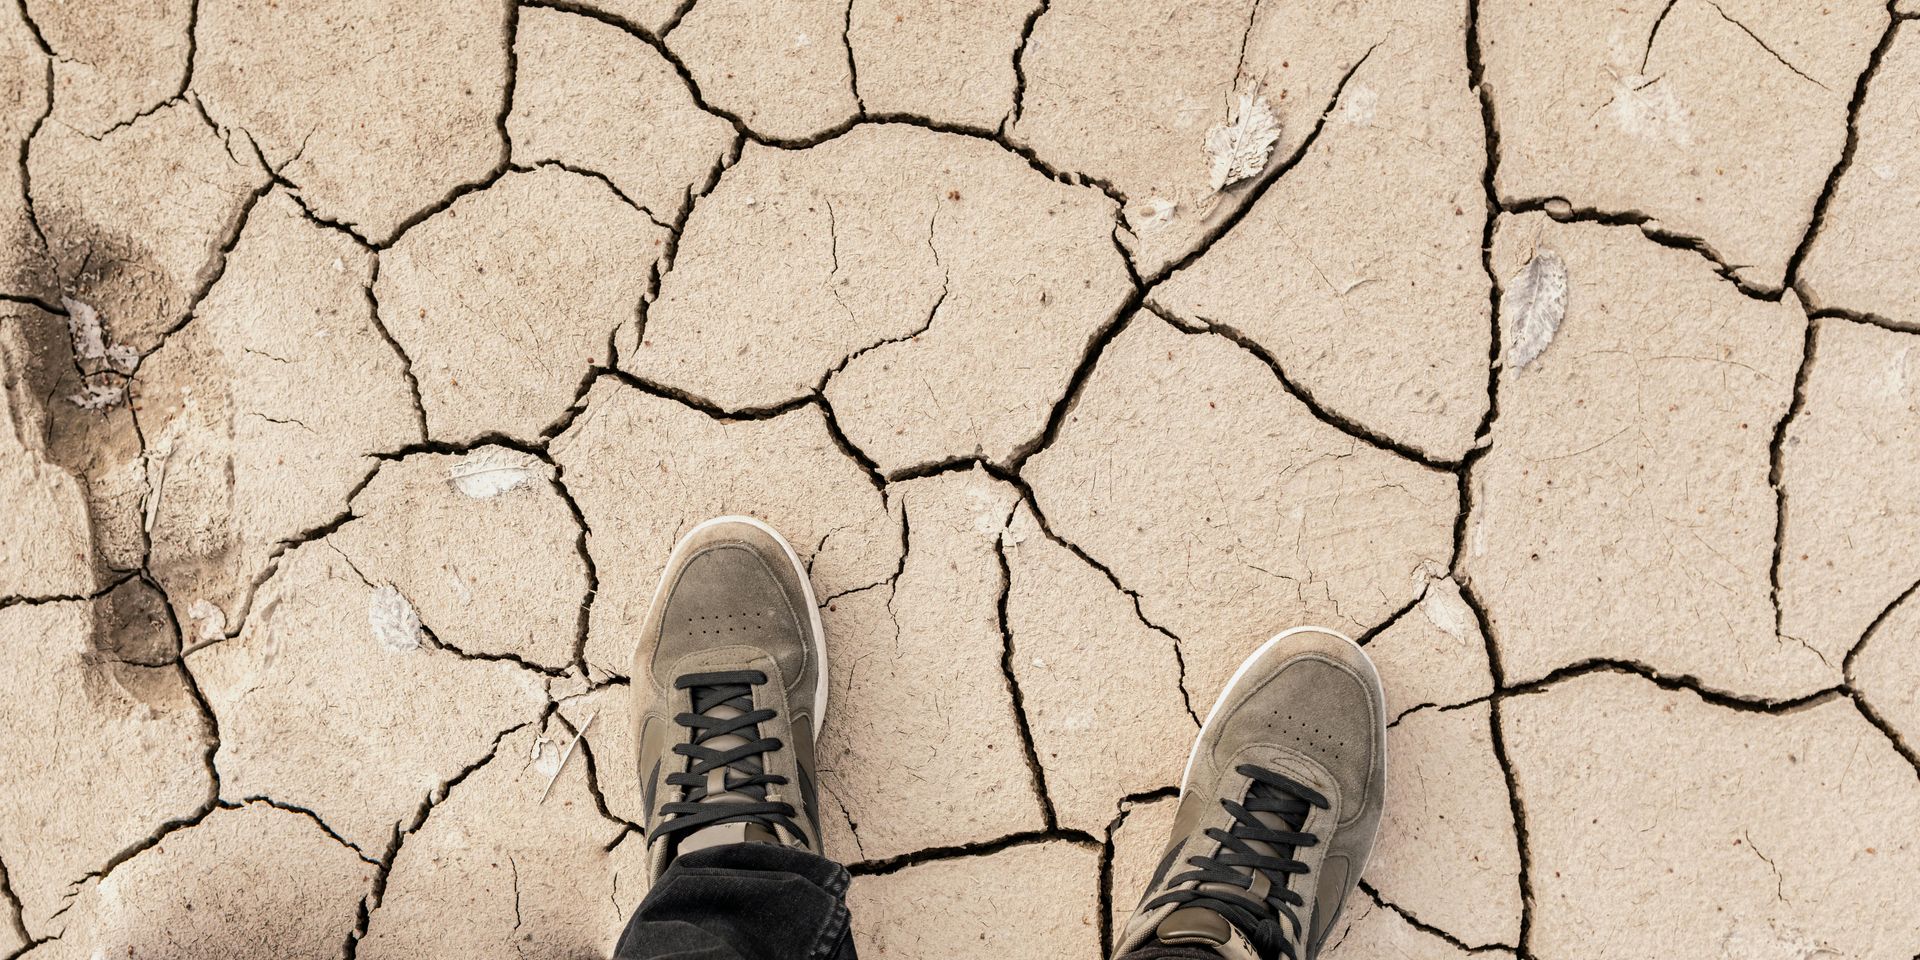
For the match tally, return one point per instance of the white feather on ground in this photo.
(492, 472)
(1239, 147)
(1532, 306)
(394, 623)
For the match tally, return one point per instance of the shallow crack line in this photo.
(679, 14)
(1666, 681)
(1860, 701)
(1651, 227)
(583, 624)
(1028, 497)
(1779, 882)
(1097, 343)
(511, 658)
(1201, 326)
(17, 912)
(1653, 33)
(1865, 319)
(591, 173)
(1848, 147)
(1482, 434)
(882, 867)
(1240, 61)
(699, 404)
(1765, 46)
(1122, 810)
(1517, 808)
(899, 568)
(1020, 68)
(33, 130)
(1776, 476)
(1034, 766)
(853, 68)
(1415, 922)
(310, 814)
(1271, 175)
(231, 239)
(34, 600)
(434, 797)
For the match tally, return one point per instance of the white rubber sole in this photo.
(1241, 674)
(806, 587)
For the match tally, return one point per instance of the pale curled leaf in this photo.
(1239, 148)
(492, 472)
(394, 623)
(1532, 306)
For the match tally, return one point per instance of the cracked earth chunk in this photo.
(1138, 845)
(24, 71)
(1433, 655)
(1033, 900)
(918, 661)
(114, 59)
(315, 711)
(1447, 852)
(1368, 931)
(438, 73)
(1886, 668)
(266, 409)
(1852, 534)
(1873, 220)
(505, 300)
(99, 752)
(1127, 93)
(251, 882)
(136, 220)
(947, 62)
(646, 469)
(499, 576)
(781, 66)
(1189, 471)
(1101, 688)
(913, 263)
(1360, 270)
(589, 95)
(1624, 509)
(517, 871)
(1720, 120)
(1758, 835)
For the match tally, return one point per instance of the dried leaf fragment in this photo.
(1532, 306)
(492, 472)
(394, 623)
(209, 621)
(1239, 148)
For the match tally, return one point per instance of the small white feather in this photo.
(1532, 306)
(1239, 147)
(492, 472)
(394, 623)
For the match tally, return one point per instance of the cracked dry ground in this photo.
(485, 303)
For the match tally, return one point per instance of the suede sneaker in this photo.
(1278, 807)
(729, 690)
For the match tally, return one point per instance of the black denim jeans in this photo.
(757, 901)
(743, 901)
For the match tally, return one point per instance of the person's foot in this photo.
(729, 690)
(1278, 807)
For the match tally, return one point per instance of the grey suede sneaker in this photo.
(729, 690)
(1278, 807)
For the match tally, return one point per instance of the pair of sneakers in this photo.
(1278, 806)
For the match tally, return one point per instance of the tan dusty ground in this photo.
(462, 312)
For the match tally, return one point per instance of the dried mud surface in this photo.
(1562, 354)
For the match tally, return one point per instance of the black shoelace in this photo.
(1238, 864)
(709, 692)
